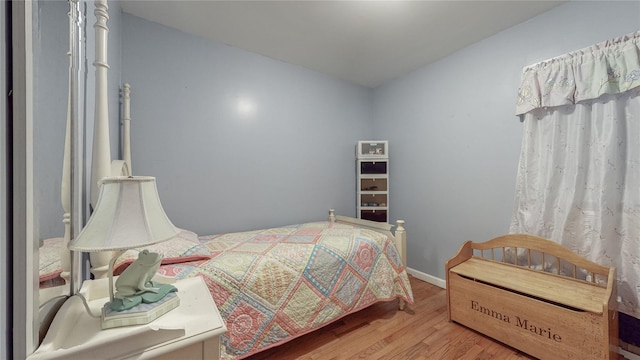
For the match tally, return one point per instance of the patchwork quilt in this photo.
(273, 285)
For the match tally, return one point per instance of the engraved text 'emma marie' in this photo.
(517, 321)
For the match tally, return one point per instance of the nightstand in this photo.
(190, 331)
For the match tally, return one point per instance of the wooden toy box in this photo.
(536, 296)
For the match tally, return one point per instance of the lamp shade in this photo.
(128, 214)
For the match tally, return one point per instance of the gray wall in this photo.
(220, 171)
(454, 138)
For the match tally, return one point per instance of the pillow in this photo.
(184, 247)
(49, 254)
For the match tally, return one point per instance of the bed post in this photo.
(401, 244)
(101, 157)
(126, 126)
(65, 255)
(332, 215)
(401, 241)
(123, 167)
(65, 189)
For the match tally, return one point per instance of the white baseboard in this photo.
(428, 278)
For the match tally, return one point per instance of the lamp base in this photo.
(140, 314)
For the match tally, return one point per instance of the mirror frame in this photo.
(27, 321)
(24, 321)
(5, 138)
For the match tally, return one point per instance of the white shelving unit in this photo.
(372, 167)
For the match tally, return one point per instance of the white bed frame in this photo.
(103, 166)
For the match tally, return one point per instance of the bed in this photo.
(270, 285)
(50, 265)
(276, 284)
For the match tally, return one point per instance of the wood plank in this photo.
(565, 291)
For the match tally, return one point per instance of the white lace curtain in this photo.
(578, 179)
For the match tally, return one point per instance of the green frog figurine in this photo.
(134, 285)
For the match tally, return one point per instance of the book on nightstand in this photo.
(140, 314)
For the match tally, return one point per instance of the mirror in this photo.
(43, 55)
(58, 103)
(51, 69)
(63, 55)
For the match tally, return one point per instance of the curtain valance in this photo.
(609, 67)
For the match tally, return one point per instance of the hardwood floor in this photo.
(421, 331)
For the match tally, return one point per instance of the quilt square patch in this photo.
(323, 269)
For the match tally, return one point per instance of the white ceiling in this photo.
(365, 42)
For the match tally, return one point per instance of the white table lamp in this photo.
(128, 215)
